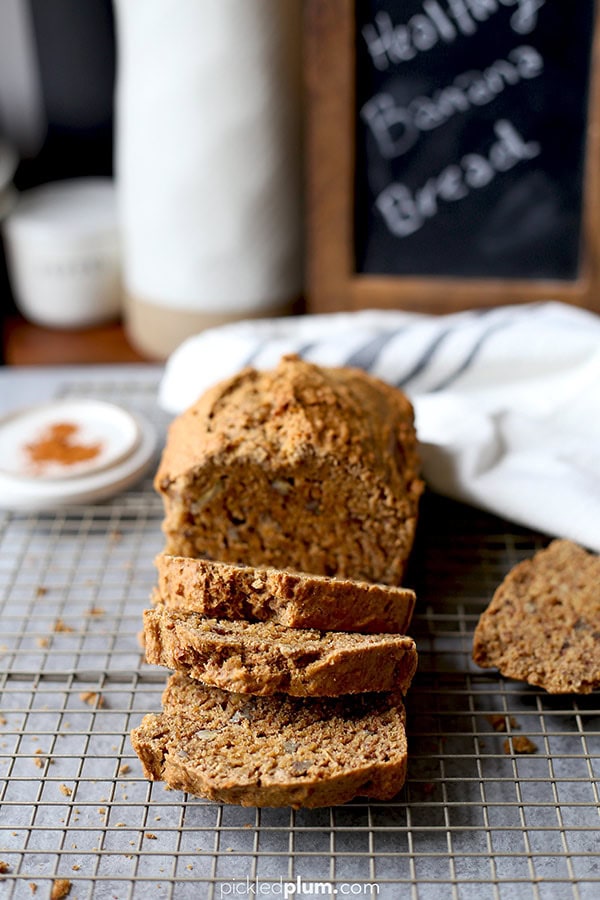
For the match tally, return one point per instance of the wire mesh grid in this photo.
(475, 819)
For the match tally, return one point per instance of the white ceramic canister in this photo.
(63, 253)
(208, 159)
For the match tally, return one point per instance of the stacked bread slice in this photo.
(288, 687)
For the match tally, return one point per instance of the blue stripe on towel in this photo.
(424, 358)
(366, 356)
(472, 354)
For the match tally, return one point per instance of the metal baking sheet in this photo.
(474, 820)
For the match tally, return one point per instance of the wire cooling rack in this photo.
(475, 819)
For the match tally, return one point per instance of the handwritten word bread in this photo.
(274, 751)
(302, 467)
(265, 658)
(295, 599)
(543, 624)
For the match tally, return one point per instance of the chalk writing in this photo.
(406, 211)
(397, 128)
(390, 44)
(471, 130)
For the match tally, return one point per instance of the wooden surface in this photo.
(29, 345)
(332, 282)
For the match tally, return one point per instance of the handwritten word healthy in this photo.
(389, 44)
(397, 128)
(405, 211)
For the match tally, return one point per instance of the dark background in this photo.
(75, 61)
(526, 222)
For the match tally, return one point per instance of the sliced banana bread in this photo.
(543, 624)
(226, 591)
(303, 467)
(274, 751)
(266, 658)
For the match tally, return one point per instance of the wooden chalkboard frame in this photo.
(332, 282)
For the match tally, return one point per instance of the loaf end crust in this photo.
(543, 623)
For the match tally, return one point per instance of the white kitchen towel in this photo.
(507, 400)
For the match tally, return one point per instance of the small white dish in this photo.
(66, 439)
(123, 446)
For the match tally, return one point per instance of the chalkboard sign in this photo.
(453, 153)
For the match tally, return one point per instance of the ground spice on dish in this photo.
(58, 445)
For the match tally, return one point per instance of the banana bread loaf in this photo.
(302, 467)
(227, 591)
(266, 658)
(543, 624)
(274, 751)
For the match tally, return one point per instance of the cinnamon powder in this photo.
(58, 444)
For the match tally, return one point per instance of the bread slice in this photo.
(265, 658)
(305, 467)
(227, 591)
(543, 624)
(274, 751)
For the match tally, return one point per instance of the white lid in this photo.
(70, 452)
(76, 208)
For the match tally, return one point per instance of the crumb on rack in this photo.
(66, 791)
(60, 626)
(43, 641)
(4, 867)
(95, 611)
(92, 698)
(61, 887)
(32, 887)
(41, 591)
(498, 722)
(124, 769)
(520, 744)
(151, 836)
(40, 760)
